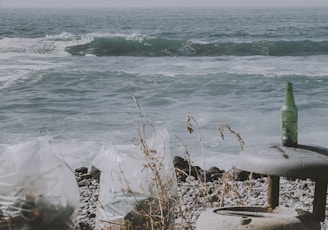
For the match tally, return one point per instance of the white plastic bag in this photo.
(37, 189)
(127, 180)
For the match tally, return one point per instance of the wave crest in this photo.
(94, 44)
(157, 47)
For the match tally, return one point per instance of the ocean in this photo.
(70, 75)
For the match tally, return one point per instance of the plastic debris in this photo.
(37, 189)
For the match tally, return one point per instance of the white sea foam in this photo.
(50, 45)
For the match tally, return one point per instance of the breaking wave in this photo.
(157, 47)
(145, 46)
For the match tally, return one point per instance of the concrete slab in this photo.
(298, 162)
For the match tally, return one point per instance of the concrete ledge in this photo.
(297, 162)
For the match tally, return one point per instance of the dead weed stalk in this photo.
(157, 215)
(222, 127)
(208, 196)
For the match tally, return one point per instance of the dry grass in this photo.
(161, 211)
(154, 212)
(205, 196)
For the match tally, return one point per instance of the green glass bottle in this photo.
(289, 119)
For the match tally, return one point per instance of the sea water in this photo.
(70, 75)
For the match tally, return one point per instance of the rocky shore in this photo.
(195, 196)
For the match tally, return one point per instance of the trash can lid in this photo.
(302, 161)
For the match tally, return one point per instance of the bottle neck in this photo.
(289, 96)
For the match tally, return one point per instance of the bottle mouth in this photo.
(29, 211)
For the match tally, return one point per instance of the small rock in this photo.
(213, 174)
(95, 173)
(82, 170)
(86, 176)
(304, 186)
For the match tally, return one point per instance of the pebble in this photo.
(194, 197)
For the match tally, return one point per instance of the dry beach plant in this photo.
(205, 195)
(155, 211)
(165, 210)
(222, 127)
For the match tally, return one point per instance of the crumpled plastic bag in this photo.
(37, 189)
(127, 181)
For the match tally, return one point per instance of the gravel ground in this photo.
(195, 197)
(89, 191)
